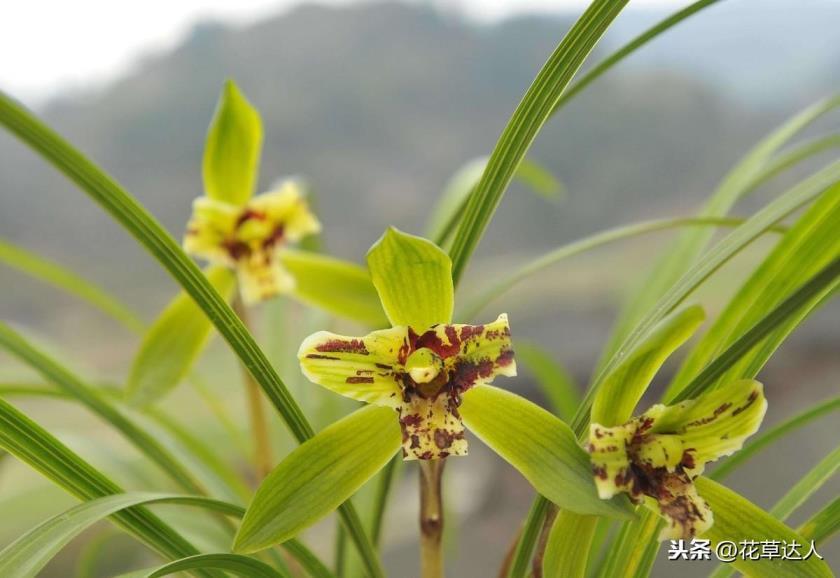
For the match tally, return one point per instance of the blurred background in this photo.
(377, 104)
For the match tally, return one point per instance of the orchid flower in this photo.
(654, 458)
(250, 238)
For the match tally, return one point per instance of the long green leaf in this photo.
(526, 122)
(623, 52)
(318, 476)
(807, 485)
(554, 256)
(173, 343)
(797, 495)
(736, 519)
(723, 251)
(622, 389)
(64, 379)
(810, 245)
(151, 234)
(528, 537)
(195, 450)
(236, 564)
(683, 253)
(450, 205)
(232, 150)
(551, 377)
(823, 524)
(761, 441)
(570, 537)
(780, 314)
(27, 555)
(790, 158)
(35, 446)
(540, 446)
(337, 286)
(66, 280)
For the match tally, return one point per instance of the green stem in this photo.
(256, 411)
(431, 518)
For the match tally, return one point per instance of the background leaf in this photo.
(570, 537)
(35, 446)
(66, 280)
(232, 150)
(339, 287)
(551, 377)
(450, 205)
(236, 564)
(318, 476)
(737, 519)
(27, 555)
(526, 122)
(540, 446)
(414, 279)
(174, 342)
(622, 389)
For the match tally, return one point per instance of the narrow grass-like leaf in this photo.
(762, 440)
(35, 446)
(318, 476)
(540, 446)
(790, 158)
(27, 555)
(807, 485)
(151, 234)
(682, 254)
(787, 309)
(541, 263)
(232, 150)
(627, 554)
(723, 251)
(88, 396)
(797, 495)
(622, 389)
(380, 500)
(66, 280)
(823, 524)
(236, 564)
(551, 377)
(308, 561)
(570, 537)
(414, 279)
(450, 205)
(526, 122)
(195, 449)
(528, 537)
(174, 342)
(737, 519)
(623, 52)
(810, 245)
(340, 287)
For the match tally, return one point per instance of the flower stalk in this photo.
(256, 411)
(431, 518)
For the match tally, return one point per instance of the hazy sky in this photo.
(47, 45)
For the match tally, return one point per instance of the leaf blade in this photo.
(317, 476)
(540, 446)
(173, 343)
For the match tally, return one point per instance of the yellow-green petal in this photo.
(414, 279)
(232, 150)
(361, 368)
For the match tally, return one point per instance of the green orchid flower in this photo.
(426, 385)
(420, 372)
(654, 458)
(250, 238)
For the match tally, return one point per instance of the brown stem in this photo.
(539, 552)
(511, 552)
(431, 518)
(259, 425)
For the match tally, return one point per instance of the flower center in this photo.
(425, 367)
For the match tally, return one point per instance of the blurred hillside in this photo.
(377, 104)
